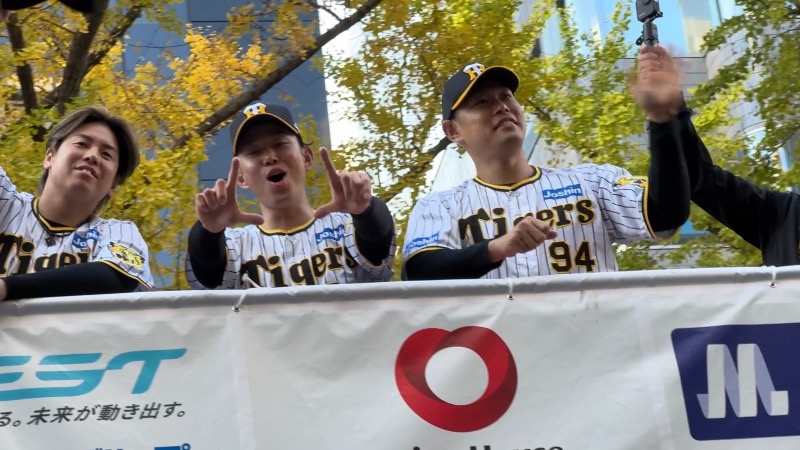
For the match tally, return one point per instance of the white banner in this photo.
(700, 359)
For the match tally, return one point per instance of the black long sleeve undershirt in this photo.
(667, 209)
(669, 190)
(207, 255)
(80, 279)
(374, 229)
(451, 264)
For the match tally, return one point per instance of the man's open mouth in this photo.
(276, 177)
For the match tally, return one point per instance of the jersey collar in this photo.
(297, 229)
(512, 187)
(51, 227)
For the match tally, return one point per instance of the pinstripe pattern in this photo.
(323, 251)
(590, 207)
(24, 235)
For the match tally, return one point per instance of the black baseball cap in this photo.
(85, 6)
(461, 83)
(258, 113)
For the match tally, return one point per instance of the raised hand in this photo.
(657, 89)
(217, 207)
(351, 192)
(526, 235)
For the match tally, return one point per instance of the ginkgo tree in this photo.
(54, 59)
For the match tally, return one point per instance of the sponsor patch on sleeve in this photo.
(126, 255)
(630, 181)
(421, 242)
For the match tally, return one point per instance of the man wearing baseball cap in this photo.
(351, 239)
(517, 220)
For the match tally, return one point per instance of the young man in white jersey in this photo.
(349, 240)
(516, 220)
(54, 244)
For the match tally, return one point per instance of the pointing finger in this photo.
(327, 163)
(333, 175)
(232, 177)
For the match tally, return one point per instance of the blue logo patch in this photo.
(421, 242)
(332, 234)
(82, 242)
(740, 381)
(566, 191)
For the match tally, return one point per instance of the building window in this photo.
(780, 159)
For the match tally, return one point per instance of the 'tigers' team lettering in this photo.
(307, 271)
(471, 227)
(22, 250)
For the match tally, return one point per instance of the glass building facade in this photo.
(682, 27)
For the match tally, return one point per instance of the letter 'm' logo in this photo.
(740, 381)
(418, 349)
(740, 386)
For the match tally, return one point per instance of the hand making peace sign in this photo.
(351, 192)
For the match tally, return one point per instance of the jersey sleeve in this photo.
(621, 199)
(12, 202)
(381, 272)
(430, 227)
(234, 238)
(121, 246)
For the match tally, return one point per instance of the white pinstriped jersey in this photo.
(590, 207)
(322, 251)
(29, 243)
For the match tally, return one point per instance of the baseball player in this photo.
(517, 220)
(768, 220)
(349, 240)
(54, 244)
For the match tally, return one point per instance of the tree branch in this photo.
(323, 8)
(211, 123)
(415, 172)
(100, 52)
(76, 65)
(24, 72)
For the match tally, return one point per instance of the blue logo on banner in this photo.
(332, 234)
(88, 379)
(740, 381)
(82, 242)
(421, 242)
(566, 191)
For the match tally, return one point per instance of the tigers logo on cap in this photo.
(261, 112)
(459, 85)
(474, 70)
